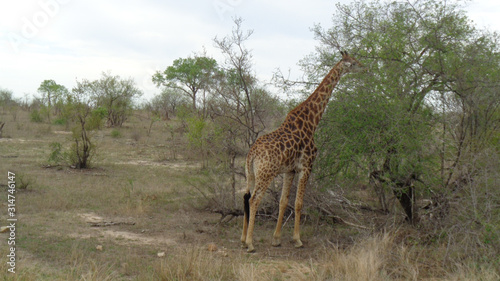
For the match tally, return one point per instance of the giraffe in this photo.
(289, 150)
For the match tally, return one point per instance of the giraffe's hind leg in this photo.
(246, 211)
(246, 202)
(261, 185)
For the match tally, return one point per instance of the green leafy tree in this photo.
(386, 125)
(7, 103)
(167, 103)
(198, 135)
(190, 76)
(114, 94)
(6, 97)
(52, 96)
(87, 118)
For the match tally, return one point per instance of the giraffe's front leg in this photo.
(304, 176)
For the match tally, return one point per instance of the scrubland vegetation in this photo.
(405, 187)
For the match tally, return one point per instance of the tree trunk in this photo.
(406, 197)
(403, 190)
(233, 177)
(1, 127)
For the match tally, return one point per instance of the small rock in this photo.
(212, 247)
(161, 254)
(99, 247)
(223, 253)
(4, 229)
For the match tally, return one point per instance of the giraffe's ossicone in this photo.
(289, 150)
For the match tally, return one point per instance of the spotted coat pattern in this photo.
(289, 150)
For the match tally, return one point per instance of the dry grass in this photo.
(136, 179)
(374, 258)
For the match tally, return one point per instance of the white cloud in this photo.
(484, 13)
(81, 39)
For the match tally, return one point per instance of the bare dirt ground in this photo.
(106, 229)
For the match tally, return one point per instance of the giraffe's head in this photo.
(351, 65)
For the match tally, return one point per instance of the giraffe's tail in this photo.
(246, 207)
(250, 185)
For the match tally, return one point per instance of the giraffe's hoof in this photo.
(298, 244)
(250, 249)
(276, 242)
(244, 245)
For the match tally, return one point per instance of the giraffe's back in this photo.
(280, 151)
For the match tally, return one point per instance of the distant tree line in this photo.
(85, 109)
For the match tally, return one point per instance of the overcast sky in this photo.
(66, 40)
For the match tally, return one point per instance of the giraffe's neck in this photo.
(312, 108)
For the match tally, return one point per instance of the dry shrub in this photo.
(31, 270)
(384, 257)
(136, 135)
(473, 272)
(466, 220)
(201, 264)
(276, 270)
(95, 271)
(89, 268)
(375, 258)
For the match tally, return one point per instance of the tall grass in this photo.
(197, 264)
(377, 257)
